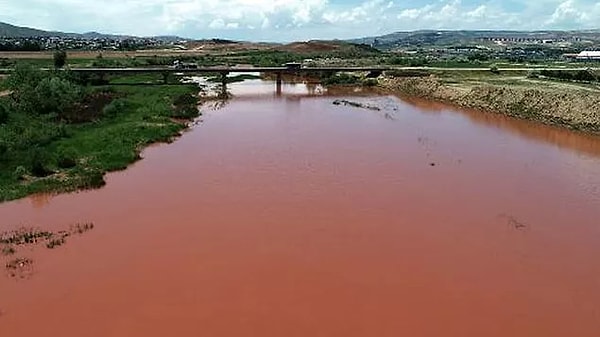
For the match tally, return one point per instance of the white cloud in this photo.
(455, 15)
(296, 19)
(569, 13)
(367, 11)
(217, 24)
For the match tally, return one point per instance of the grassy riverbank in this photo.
(103, 130)
(570, 104)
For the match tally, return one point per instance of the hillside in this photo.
(429, 38)
(8, 30)
(12, 31)
(326, 46)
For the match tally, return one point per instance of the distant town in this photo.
(440, 46)
(42, 43)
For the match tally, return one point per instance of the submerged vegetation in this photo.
(59, 134)
(12, 241)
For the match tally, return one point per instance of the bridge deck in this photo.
(226, 70)
(214, 70)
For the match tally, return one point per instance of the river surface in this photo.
(286, 215)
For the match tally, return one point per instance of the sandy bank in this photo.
(577, 109)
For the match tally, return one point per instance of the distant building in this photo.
(589, 55)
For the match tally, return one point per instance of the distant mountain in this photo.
(8, 30)
(429, 38)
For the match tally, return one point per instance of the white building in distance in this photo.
(589, 55)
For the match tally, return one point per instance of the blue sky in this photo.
(287, 20)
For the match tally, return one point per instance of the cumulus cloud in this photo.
(296, 19)
(571, 14)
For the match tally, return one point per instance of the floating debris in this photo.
(513, 222)
(356, 104)
(20, 268)
(81, 228)
(516, 224)
(8, 250)
(24, 236)
(10, 241)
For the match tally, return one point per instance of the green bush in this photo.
(114, 108)
(186, 106)
(408, 73)
(341, 79)
(569, 75)
(25, 131)
(370, 82)
(3, 113)
(60, 59)
(66, 158)
(24, 76)
(40, 93)
(40, 163)
(20, 173)
(55, 95)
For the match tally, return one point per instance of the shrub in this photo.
(533, 74)
(370, 82)
(408, 73)
(24, 76)
(55, 95)
(567, 75)
(93, 179)
(186, 106)
(60, 59)
(38, 93)
(20, 173)
(341, 79)
(3, 113)
(114, 108)
(39, 163)
(66, 158)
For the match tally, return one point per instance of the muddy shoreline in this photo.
(577, 110)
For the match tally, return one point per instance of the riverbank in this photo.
(572, 106)
(106, 132)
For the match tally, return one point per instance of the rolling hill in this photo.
(12, 31)
(429, 38)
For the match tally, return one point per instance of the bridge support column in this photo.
(224, 84)
(165, 78)
(279, 82)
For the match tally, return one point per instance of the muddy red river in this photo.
(290, 216)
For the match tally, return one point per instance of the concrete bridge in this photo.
(223, 71)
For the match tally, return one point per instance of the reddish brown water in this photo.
(289, 216)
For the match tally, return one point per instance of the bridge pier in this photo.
(279, 83)
(223, 93)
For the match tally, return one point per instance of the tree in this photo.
(42, 93)
(3, 114)
(60, 59)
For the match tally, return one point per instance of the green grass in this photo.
(142, 79)
(139, 116)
